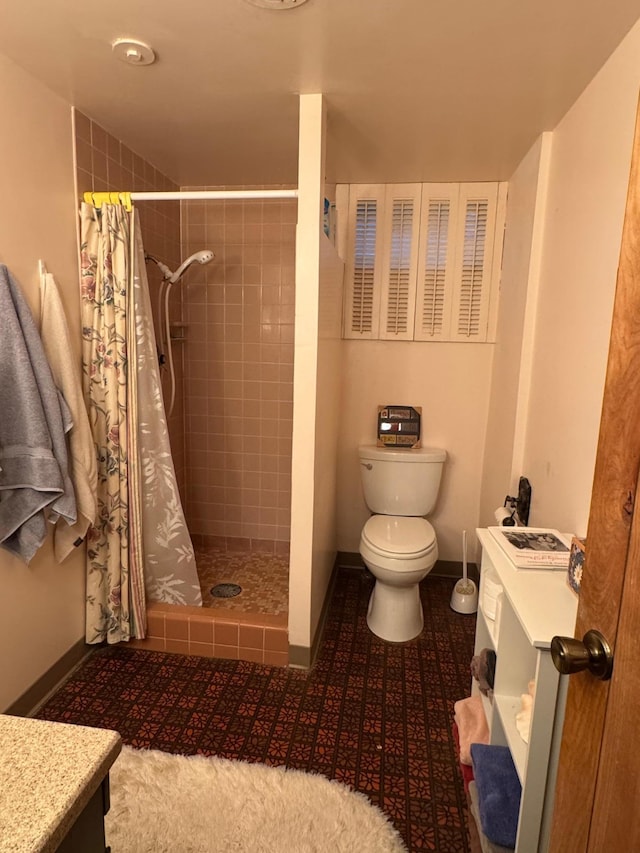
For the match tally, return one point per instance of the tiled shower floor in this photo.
(251, 626)
(264, 579)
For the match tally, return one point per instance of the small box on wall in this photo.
(399, 426)
(576, 563)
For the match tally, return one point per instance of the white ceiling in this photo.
(417, 90)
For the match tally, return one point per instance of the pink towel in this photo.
(472, 725)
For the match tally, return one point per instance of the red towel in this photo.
(465, 769)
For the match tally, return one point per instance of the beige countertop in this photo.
(48, 774)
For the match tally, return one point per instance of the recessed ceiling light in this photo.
(133, 52)
(276, 4)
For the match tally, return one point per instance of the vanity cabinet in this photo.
(534, 606)
(87, 833)
(54, 785)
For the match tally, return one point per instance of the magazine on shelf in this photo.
(534, 547)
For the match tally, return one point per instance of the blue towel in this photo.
(499, 792)
(34, 474)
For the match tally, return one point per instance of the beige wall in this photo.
(451, 382)
(42, 605)
(587, 189)
(544, 387)
(239, 370)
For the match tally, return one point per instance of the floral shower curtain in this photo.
(139, 545)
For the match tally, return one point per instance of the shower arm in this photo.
(164, 269)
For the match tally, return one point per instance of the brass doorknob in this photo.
(593, 653)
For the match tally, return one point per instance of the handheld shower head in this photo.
(202, 257)
(164, 325)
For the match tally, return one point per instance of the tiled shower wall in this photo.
(232, 420)
(106, 164)
(239, 371)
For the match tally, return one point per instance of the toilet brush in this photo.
(464, 598)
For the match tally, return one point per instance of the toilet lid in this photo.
(399, 535)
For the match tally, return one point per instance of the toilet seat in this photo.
(399, 537)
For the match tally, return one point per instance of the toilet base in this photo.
(395, 612)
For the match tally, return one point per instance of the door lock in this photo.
(593, 652)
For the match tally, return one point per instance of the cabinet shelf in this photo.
(507, 707)
(491, 626)
(536, 605)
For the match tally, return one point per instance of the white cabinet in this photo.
(536, 605)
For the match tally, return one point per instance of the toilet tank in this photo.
(401, 482)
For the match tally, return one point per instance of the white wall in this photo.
(42, 605)
(328, 425)
(514, 333)
(451, 382)
(304, 552)
(587, 190)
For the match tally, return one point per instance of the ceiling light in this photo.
(133, 52)
(276, 4)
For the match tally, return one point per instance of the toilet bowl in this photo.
(399, 552)
(398, 545)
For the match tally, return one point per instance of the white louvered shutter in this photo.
(434, 296)
(423, 261)
(399, 261)
(474, 261)
(362, 273)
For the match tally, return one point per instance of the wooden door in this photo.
(598, 787)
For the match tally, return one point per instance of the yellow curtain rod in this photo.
(126, 198)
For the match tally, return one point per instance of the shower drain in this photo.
(225, 590)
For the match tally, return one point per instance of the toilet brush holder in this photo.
(464, 598)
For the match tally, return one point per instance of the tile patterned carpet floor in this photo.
(264, 579)
(376, 716)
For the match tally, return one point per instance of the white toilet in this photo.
(397, 544)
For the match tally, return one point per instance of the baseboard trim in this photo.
(442, 568)
(349, 560)
(453, 569)
(302, 657)
(35, 696)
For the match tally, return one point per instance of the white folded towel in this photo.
(523, 717)
(491, 591)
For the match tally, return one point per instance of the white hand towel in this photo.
(82, 455)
